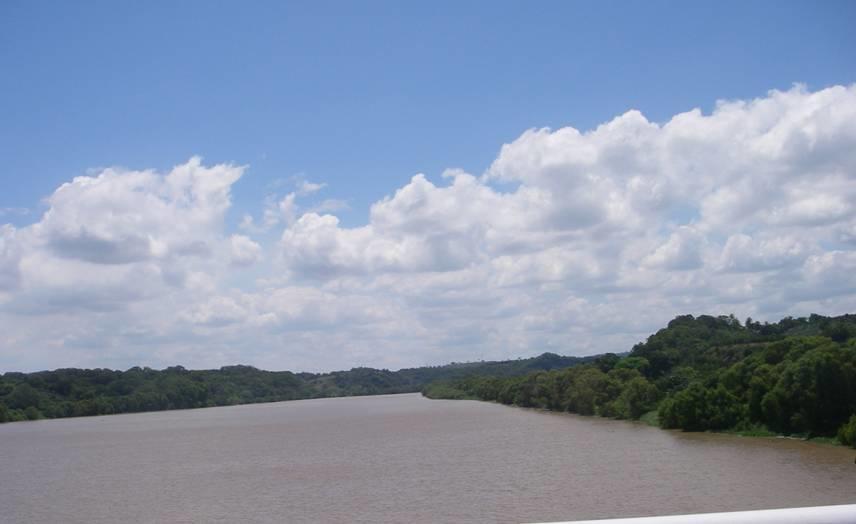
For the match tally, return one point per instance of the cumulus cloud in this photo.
(743, 253)
(244, 251)
(120, 217)
(286, 209)
(682, 250)
(748, 166)
(120, 237)
(422, 227)
(826, 275)
(572, 241)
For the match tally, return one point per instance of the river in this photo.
(395, 458)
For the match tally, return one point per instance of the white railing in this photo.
(845, 514)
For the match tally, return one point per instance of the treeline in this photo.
(83, 392)
(795, 377)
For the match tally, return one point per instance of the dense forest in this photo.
(793, 377)
(81, 392)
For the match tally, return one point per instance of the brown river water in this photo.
(396, 458)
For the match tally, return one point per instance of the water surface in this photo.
(395, 458)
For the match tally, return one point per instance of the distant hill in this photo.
(81, 392)
(796, 376)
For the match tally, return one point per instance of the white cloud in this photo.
(9, 258)
(743, 253)
(682, 250)
(330, 205)
(244, 251)
(217, 311)
(120, 217)
(571, 241)
(826, 275)
(305, 187)
(286, 209)
(422, 227)
(121, 237)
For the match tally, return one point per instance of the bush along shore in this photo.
(82, 392)
(795, 377)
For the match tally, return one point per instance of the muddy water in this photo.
(397, 458)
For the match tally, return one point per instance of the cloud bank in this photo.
(574, 242)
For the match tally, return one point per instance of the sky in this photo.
(322, 185)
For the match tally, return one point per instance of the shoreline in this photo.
(649, 421)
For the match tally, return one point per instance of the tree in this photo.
(815, 393)
(23, 396)
(638, 397)
(32, 413)
(698, 408)
(847, 432)
(607, 361)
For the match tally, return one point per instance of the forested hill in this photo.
(80, 392)
(795, 376)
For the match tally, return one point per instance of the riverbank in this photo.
(652, 419)
(793, 378)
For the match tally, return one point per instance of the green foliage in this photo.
(652, 418)
(707, 373)
(640, 364)
(847, 432)
(607, 361)
(637, 397)
(585, 389)
(32, 413)
(814, 393)
(84, 392)
(698, 408)
(446, 391)
(699, 373)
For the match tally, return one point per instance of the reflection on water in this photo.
(396, 458)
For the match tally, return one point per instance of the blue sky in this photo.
(247, 188)
(364, 96)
